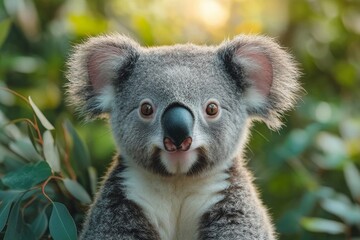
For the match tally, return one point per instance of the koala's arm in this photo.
(113, 216)
(240, 215)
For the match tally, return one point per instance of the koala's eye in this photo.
(146, 109)
(212, 109)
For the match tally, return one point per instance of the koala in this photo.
(180, 117)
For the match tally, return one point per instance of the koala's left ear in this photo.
(96, 69)
(264, 74)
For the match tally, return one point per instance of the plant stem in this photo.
(16, 94)
(66, 155)
(45, 183)
(32, 199)
(41, 141)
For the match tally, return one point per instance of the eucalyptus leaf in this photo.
(9, 195)
(40, 224)
(350, 128)
(331, 144)
(9, 129)
(329, 161)
(13, 226)
(32, 137)
(6, 98)
(80, 154)
(41, 116)
(325, 192)
(77, 191)
(352, 177)
(289, 222)
(4, 139)
(62, 225)
(16, 227)
(93, 179)
(27, 176)
(3, 153)
(51, 152)
(24, 148)
(297, 141)
(343, 209)
(4, 213)
(323, 225)
(27, 232)
(12, 163)
(4, 29)
(12, 131)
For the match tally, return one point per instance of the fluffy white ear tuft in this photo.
(102, 65)
(258, 71)
(257, 66)
(264, 73)
(105, 98)
(95, 69)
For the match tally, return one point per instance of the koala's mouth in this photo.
(178, 162)
(191, 162)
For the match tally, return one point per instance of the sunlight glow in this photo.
(212, 13)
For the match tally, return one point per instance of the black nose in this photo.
(177, 123)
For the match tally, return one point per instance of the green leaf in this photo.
(16, 227)
(41, 116)
(40, 224)
(342, 208)
(32, 137)
(329, 161)
(80, 155)
(61, 225)
(289, 222)
(77, 191)
(12, 230)
(333, 149)
(27, 176)
(9, 195)
(11, 163)
(4, 213)
(323, 225)
(4, 29)
(6, 98)
(93, 179)
(51, 153)
(297, 141)
(352, 177)
(25, 148)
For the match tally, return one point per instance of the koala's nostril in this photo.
(171, 147)
(185, 145)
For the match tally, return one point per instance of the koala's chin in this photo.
(179, 162)
(187, 163)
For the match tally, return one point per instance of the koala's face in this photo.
(182, 109)
(162, 89)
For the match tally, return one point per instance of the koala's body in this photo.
(179, 115)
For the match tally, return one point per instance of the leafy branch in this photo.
(31, 161)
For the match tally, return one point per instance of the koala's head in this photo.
(182, 109)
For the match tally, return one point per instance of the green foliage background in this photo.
(307, 173)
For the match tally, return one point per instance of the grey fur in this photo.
(240, 215)
(115, 217)
(189, 75)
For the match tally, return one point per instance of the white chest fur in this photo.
(174, 205)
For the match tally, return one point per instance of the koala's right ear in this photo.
(264, 73)
(95, 68)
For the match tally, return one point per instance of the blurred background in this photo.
(307, 173)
